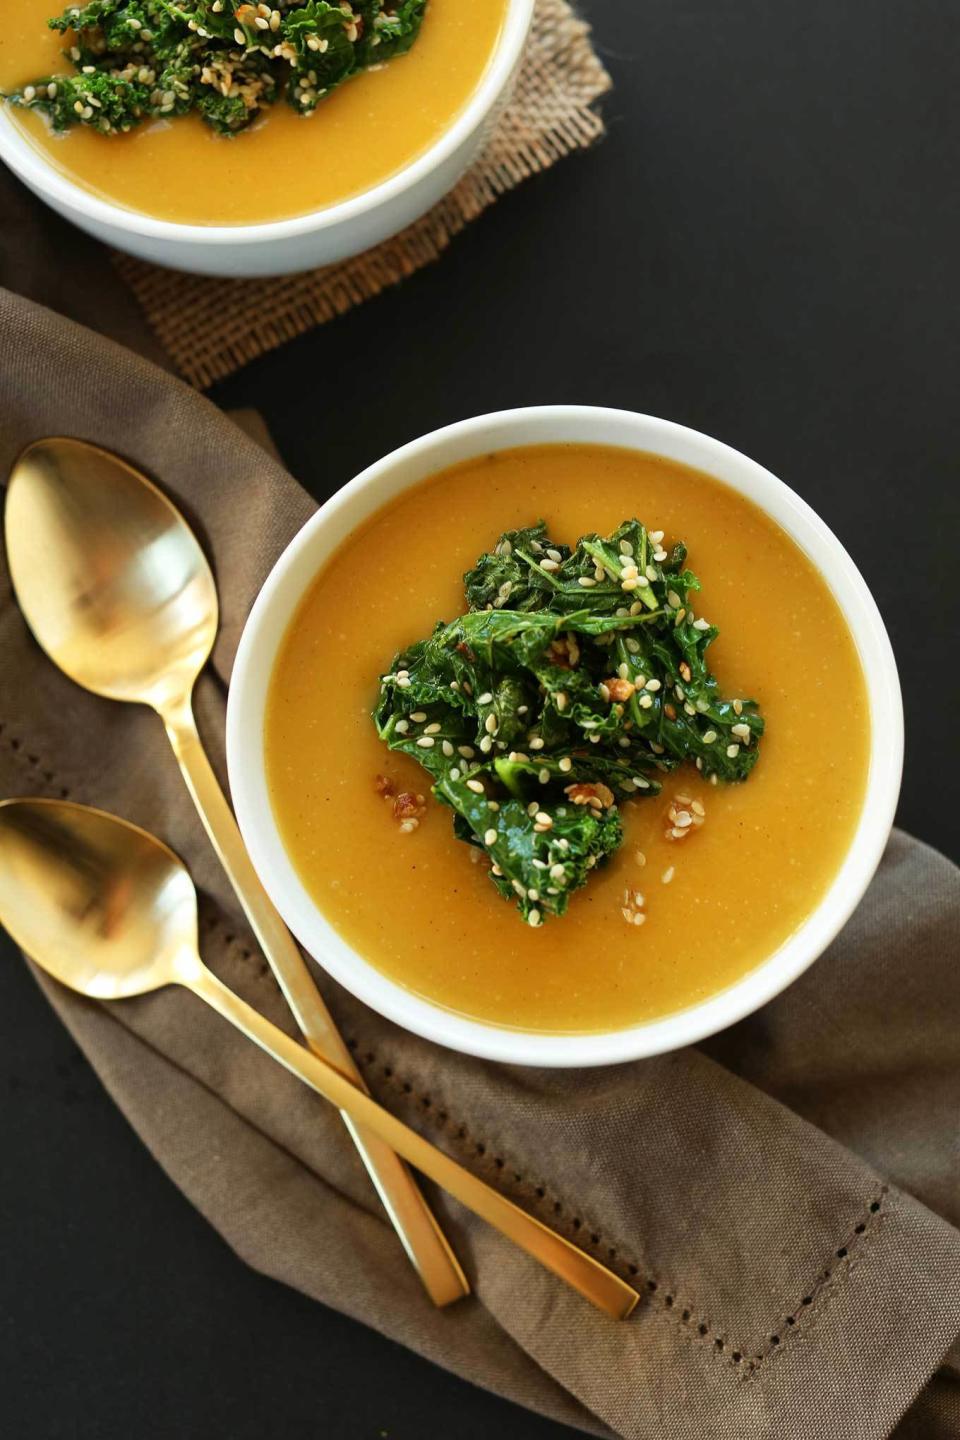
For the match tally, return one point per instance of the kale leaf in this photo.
(574, 680)
(226, 60)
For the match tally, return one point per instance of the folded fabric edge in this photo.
(465, 1340)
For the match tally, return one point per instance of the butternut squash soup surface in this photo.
(419, 904)
(286, 164)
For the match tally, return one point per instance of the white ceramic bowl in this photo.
(285, 246)
(305, 556)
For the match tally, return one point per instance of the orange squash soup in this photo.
(420, 904)
(286, 164)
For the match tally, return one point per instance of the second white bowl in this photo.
(282, 247)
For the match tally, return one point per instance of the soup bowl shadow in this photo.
(303, 242)
(293, 575)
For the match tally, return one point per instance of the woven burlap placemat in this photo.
(209, 328)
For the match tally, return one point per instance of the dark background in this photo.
(764, 247)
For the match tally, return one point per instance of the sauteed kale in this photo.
(224, 59)
(576, 679)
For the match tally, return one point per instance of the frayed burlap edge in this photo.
(209, 327)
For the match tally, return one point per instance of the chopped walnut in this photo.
(596, 795)
(620, 690)
(632, 908)
(683, 817)
(564, 652)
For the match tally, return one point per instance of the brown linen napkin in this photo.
(786, 1197)
(210, 328)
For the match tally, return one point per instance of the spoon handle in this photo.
(426, 1245)
(594, 1281)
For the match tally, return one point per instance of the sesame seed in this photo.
(668, 875)
(544, 819)
(742, 730)
(447, 748)
(534, 918)
(566, 764)
(466, 751)
(697, 807)
(557, 872)
(417, 716)
(403, 681)
(651, 572)
(653, 685)
(659, 556)
(490, 837)
(544, 776)
(402, 726)
(632, 645)
(587, 581)
(29, 93)
(433, 729)
(636, 607)
(533, 894)
(709, 737)
(426, 742)
(532, 808)
(536, 742)
(701, 624)
(239, 36)
(626, 547)
(640, 783)
(623, 670)
(733, 750)
(491, 724)
(656, 536)
(519, 888)
(629, 572)
(684, 820)
(555, 555)
(640, 858)
(738, 707)
(631, 584)
(455, 773)
(645, 702)
(485, 698)
(486, 744)
(673, 599)
(561, 698)
(476, 786)
(549, 565)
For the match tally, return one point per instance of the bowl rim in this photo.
(30, 165)
(400, 470)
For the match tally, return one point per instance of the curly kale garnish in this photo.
(575, 679)
(226, 59)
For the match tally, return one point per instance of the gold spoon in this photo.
(117, 591)
(110, 911)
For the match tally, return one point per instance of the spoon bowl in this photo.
(104, 907)
(117, 591)
(109, 576)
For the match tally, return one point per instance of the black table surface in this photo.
(764, 247)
